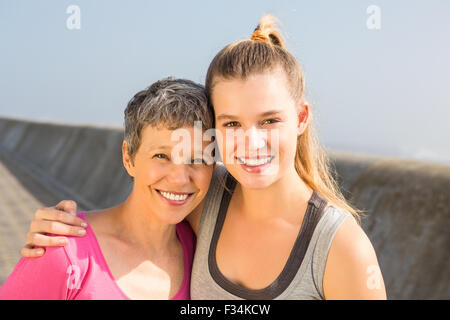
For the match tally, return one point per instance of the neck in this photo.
(137, 224)
(286, 198)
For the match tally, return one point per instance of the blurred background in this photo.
(382, 91)
(377, 75)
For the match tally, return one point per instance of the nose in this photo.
(179, 175)
(256, 139)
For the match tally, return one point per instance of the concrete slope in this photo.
(17, 205)
(41, 164)
(406, 203)
(406, 215)
(81, 162)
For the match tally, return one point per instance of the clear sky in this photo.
(383, 91)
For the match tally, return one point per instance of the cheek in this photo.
(288, 147)
(202, 178)
(283, 141)
(151, 173)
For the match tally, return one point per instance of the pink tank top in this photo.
(78, 271)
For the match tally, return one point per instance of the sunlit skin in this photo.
(267, 208)
(262, 113)
(138, 237)
(154, 169)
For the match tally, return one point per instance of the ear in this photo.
(126, 158)
(303, 117)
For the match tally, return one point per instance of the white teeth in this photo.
(255, 162)
(176, 197)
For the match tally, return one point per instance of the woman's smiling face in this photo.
(169, 188)
(257, 124)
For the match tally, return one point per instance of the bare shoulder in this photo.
(100, 221)
(352, 270)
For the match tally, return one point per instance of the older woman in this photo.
(140, 249)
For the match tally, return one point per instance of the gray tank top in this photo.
(301, 277)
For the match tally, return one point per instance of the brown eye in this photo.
(161, 156)
(231, 124)
(270, 121)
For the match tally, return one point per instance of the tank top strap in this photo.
(303, 273)
(314, 211)
(321, 242)
(212, 202)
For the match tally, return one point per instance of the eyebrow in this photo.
(154, 147)
(233, 117)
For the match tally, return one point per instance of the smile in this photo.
(177, 198)
(254, 162)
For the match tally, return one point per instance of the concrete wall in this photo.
(83, 163)
(407, 218)
(406, 203)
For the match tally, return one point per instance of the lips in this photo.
(255, 165)
(174, 198)
(255, 161)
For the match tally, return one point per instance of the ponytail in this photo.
(264, 52)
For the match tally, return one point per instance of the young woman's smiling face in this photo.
(171, 187)
(257, 124)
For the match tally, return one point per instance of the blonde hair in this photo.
(266, 51)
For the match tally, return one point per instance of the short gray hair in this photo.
(168, 103)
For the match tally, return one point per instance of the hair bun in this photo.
(267, 32)
(258, 35)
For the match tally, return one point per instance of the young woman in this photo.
(142, 248)
(273, 224)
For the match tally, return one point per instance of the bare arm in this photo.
(352, 271)
(60, 219)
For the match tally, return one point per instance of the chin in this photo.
(258, 183)
(260, 180)
(255, 181)
(172, 215)
(173, 219)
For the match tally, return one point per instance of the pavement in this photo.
(21, 194)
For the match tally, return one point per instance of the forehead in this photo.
(159, 138)
(256, 94)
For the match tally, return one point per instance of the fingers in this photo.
(29, 252)
(68, 206)
(55, 227)
(54, 214)
(37, 239)
(61, 220)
